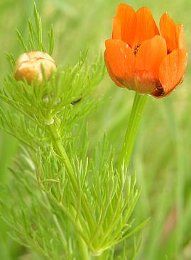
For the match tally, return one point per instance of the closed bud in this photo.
(34, 65)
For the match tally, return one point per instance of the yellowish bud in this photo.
(34, 65)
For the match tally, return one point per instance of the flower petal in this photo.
(173, 33)
(172, 70)
(120, 61)
(124, 24)
(147, 63)
(116, 33)
(145, 26)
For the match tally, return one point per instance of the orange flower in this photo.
(141, 58)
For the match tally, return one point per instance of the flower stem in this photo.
(59, 149)
(132, 129)
(61, 152)
(83, 252)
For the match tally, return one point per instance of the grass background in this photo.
(162, 156)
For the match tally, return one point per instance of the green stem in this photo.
(99, 257)
(59, 149)
(84, 255)
(132, 129)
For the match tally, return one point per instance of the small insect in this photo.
(76, 101)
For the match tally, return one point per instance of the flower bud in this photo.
(35, 65)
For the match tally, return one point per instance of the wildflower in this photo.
(141, 58)
(34, 65)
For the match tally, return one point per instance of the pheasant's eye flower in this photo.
(34, 66)
(143, 58)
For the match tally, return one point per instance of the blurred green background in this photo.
(162, 156)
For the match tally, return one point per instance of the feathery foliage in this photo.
(67, 202)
